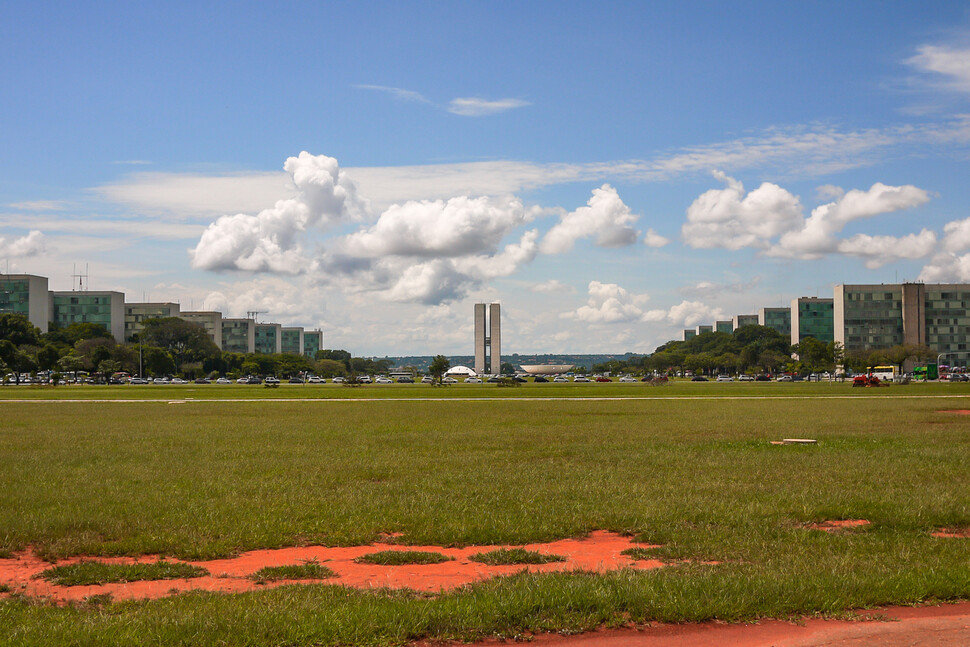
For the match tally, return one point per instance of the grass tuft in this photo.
(504, 556)
(92, 572)
(400, 557)
(308, 570)
(638, 554)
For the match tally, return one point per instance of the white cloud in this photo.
(817, 234)
(552, 286)
(653, 239)
(947, 267)
(41, 205)
(32, 244)
(609, 303)
(397, 93)
(880, 250)
(956, 235)
(691, 313)
(457, 227)
(476, 107)
(269, 241)
(605, 217)
(708, 289)
(730, 219)
(951, 63)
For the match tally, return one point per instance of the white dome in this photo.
(460, 370)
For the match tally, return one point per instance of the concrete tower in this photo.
(488, 338)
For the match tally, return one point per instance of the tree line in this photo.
(166, 346)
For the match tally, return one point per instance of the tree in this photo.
(18, 330)
(72, 334)
(330, 368)
(507, 368)
(438, 367)
(47, 357)
(186, 341)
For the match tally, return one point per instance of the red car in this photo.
(603, 379)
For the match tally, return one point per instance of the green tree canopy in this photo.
(18, 330)
(438, 367)
(186, 341)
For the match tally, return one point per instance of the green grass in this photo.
(698, 476)
(94, 572)
(308, 570)
(504, 556)
(640, 553)
(400, 557)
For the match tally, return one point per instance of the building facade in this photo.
(812, 317)
(291, 340)
(268, 338)
(239, 335)
(689, 333)
(104, 308)
(136, 313)
(488, 338)
(312, 342)
(724, 326)
(210, 320)
(701, 329)
(744, 320)
(26, 294)
(777, 319)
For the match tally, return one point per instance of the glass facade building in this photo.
(776, 318)
(701, 329)
(239, 335)
(104, 308)
(744, 320)
(812, 317)
(724, 326)
(26, 294)
(269, 338)
(868, 316)
(292, 341)
(312, 342)
(136, 313)
(210, 320)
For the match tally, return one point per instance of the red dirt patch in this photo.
(834, 525)
(946, 625)
(600, 552)
(959, 412)
(952, 533)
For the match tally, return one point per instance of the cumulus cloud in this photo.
(947, 267)
(879, 250)
(691, 313)
(30, 245)
(956, 235)
(552, 286)
(609, 303)
(604, 217)
(730, 219)
(653, 239)
(477, 107)
(269, 241)
(817, 234)
(456, 227)
(706, 289)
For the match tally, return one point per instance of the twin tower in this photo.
(488, 338)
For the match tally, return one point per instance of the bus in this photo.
(928, 372)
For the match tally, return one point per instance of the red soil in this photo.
(959, 412)
(952, 533)
(600, 552)
(947, 625)
(834, 525)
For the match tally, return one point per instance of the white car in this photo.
(384, 380)
(724, 378)
(161, 380)
(746, 378)
(364, 379)
(449, 380)
(338, 380)
(223, 380)
(627, 378)
(560, 378)
(580, 378)
(472, 380)
(313, 379)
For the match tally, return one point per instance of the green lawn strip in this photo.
(401, 557)
(309, 570)
(503, 556)
(94, 572)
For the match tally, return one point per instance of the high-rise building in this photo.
(701, 329)
(136, 313)
(689, 333)
(744, 320)
(26, 294)
(268, 338)
(291, 340)
(312, 342)
(104, 308)
(488, 338)
(777, 319)
(239, 335)
(724, 326)
(812, 317)
(210, 320)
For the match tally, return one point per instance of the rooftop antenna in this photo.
(254, 314)
(81, 278)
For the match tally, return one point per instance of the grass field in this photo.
(696, 475)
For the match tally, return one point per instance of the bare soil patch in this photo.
(952, 533)
(836, 525)
(959, 412)
(600, 552)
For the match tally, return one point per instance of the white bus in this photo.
(884, 373)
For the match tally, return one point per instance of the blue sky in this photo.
(610, 172)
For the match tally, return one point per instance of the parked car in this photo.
(746, 378)
(223, 380)
(539, 378)
(449, 380)
(724, 378)
(383, 380)
(427, 379)
(405, 380)
(364, 379)
(762, 378)
(202, 380)
(161, 380)
(472, 380)
(313, 379)
(138, 380)
(580, 378)
(560, 378)
(296, 379)
(602, 378)
(627, 378)
(784, 378)
(698, 378)
(339, 380)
